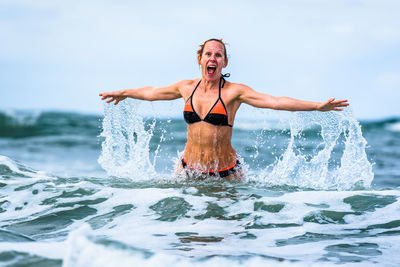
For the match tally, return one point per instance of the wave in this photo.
(10, 168)
(26, 123)
(391, 124)
(394, 127)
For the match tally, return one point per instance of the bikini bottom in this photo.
(221, 173)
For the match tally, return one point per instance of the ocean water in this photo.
(321, 189)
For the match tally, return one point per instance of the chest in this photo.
(203, 103)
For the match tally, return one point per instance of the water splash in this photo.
(298, 168)
(326, 150)
(125, 150)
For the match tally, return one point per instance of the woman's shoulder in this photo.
(236, 91)
(188, 83)
(187, 86)
(237, 88)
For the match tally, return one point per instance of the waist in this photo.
(209, 156)
(224, 172)
(207, 136)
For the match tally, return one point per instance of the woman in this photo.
(210, 107)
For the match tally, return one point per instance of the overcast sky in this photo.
(61, 54)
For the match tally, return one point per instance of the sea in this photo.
(78, 189)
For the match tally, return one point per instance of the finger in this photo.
(338, 109)
(340, 101)
(110, 100)
(343, 105)
(117, 101)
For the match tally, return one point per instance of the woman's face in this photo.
(212, 60)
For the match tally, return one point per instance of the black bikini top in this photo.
(217, 114)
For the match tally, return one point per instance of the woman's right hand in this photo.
(114, 96)
(331, 104)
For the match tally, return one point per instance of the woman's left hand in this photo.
(331, 104)
(116, 96)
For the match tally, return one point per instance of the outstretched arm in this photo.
(259, 100)
(146, 93)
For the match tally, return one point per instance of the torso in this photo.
(209, 146)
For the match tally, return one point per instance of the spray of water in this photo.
(338, 161)
(125, 149)
(298, 168)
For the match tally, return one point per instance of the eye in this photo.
(218, 55)
(208, 54)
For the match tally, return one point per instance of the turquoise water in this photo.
(88, 190)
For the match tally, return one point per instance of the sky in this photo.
(59, 55)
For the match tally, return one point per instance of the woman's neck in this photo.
(210, 85)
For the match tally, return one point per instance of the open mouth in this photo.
(211, 69)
